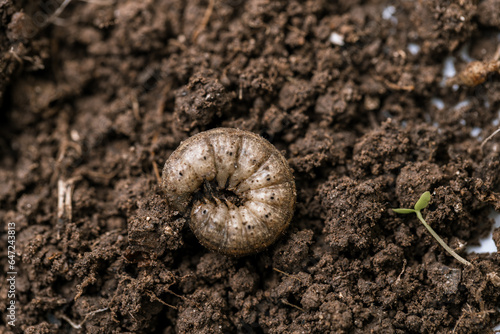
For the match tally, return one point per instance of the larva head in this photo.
(234, 187)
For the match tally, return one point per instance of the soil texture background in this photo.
(95, 96)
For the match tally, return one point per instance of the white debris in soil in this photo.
(496, 121)
(438, 103)
(475, 132)
(464, 54)
(336, 39)
(486, 244)
(413, 48)
(449, 71)
(461, 104)
(388, 12)
(75, 136)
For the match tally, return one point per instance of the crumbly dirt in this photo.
(95, 99)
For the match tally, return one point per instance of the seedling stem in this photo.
(421, 204)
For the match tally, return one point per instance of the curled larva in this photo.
(235, 188)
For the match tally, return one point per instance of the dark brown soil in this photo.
(95, 99)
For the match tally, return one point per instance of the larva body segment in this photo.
(251, 156)
(235, 188)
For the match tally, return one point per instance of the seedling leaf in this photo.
(403, 210)
(423, 201)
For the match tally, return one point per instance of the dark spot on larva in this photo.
(249, 227)
(268, 179)
(204, 158)
(267, 215)
(272, 197)
(230, 154)
(204, 212)
(180, 173)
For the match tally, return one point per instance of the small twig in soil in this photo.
(135, 107)
(163, 98)
(206, 18)
(496, 56)
(130, 313)
(15, 55)
(153, 296)
(394, 86)
(422, 204)
(339, 277)
(54, 256)
(373, 121)
(64, 147)
(64, 201)
(173, 293)
(489, 137)
(56, 20)
(155, 165)
(79, 326)
(289, 304)
(470, 311)
(459, 319)
(402, 272)
(286, 274)
(65, 141)
(56, 13)
(494, 279)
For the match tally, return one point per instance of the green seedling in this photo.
(422, 204)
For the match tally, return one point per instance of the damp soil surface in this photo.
(96, 96)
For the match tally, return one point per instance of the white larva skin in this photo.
(215, 168)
